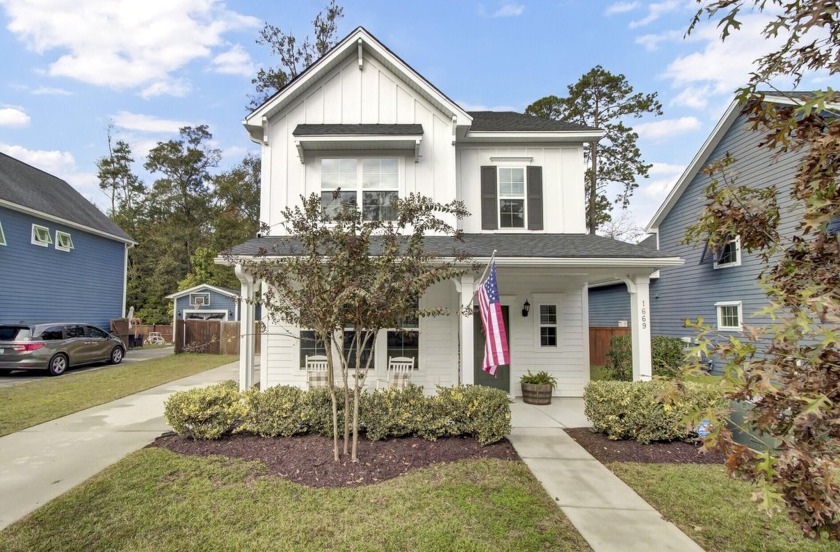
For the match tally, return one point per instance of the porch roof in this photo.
(506, 246)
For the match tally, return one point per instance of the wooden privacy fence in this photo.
(213, 337)
(599, 342)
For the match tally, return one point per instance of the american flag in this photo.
(495, 337)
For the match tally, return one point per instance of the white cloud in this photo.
(469, 106)
(235, 61)
(123, 43)
(722, 66)
(177, 88)
(234, 154)
(51, 91)
(693, 97)
(662, 177)
(621, 7)
(13, 117)
(146, 123)
(657, 130)
(651, 41)
(657, 10)
(61, 164)
(509, 10)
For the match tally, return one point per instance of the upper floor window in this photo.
(729, 254)
(63, 241)
(371, 185)
(2, 235)
(41, 235)
(512, 197)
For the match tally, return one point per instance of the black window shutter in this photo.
(535, 198)
(489, 200)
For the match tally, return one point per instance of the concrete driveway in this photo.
(138, 354)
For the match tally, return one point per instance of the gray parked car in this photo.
(56, 347)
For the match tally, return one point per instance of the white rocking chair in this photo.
(316, 371)
(399, 372)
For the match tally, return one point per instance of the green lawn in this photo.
(713, 509)
(157, 500)
(30, 404)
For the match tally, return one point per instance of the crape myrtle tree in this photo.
(788, 371)
(603, 100)
(294, 56)
(344, 271)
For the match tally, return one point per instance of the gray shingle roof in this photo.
(559, 246)
(374, 129)
(510, 121)
(26, 186)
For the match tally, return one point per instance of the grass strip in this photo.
(30, 404)
(157, 500)
(713, 509)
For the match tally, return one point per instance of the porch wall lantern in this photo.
(526, 308)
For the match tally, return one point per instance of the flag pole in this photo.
(483, 277)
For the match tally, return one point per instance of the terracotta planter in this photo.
(533, 393)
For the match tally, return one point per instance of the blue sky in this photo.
(71, 68)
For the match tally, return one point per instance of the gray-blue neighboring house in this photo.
(206, 302)
(722, 286)
(61, 258)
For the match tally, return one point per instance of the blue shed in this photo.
(61, 258)
(206, 302)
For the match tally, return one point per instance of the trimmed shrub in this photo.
(476, 410)
(206, 412)
(394, 412)
(647, 411)
(275, 412)
(315, 410)
(667, 355)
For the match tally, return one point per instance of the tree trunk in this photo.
(331, 384)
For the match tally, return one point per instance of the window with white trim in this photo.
(405, 342)
(371, 185)
(63, 241)
(2, 235)
(511, 197)
(729, 316)
(310, 345)
(548, 325)
(41, 235)
(729, 254)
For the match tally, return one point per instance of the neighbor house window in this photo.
(548, 325)
(729, 254)
(405, 342)
(41, 235)
(511, 197)
(63, 241)
(2, 235)
(729, 315)
(370, 185)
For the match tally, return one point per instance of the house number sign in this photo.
(644, 315)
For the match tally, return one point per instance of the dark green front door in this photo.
(502, 379)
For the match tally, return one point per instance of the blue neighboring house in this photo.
(61, 258)
(718, 282)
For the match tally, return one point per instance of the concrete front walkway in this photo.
(42, 462)
(608, 513)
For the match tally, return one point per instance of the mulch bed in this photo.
(307, 459)
(676, 452)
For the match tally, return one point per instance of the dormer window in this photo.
(372, 185)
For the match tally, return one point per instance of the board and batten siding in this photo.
(43, 284)
(346, 95)
(562, 182)
(608, 305)
(691, 290)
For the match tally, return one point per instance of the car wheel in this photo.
(116, 355)
(58, 365)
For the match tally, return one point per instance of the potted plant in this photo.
(537, 388)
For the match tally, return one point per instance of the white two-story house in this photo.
(362, 119)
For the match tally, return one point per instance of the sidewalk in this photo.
(42, 462)
(608, 513)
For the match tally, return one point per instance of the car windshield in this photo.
(14, 333)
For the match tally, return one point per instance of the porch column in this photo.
(466, 287)
(246, 330)
(639, 288)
